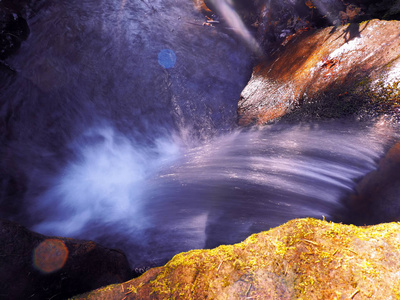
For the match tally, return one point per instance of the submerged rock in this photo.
(327, 73)
(303, 259)
(33, 266)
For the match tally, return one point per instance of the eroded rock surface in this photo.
(332, 72)
(33, 266)
(303, 259)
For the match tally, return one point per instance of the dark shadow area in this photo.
(33, 266)
(334, 28)
(376, 197)
(13, 31)
(352, 31)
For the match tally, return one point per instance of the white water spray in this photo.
(105, 183)
(225, 7)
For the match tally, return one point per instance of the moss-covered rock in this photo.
(303, 259)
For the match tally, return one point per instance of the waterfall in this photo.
(120, 127)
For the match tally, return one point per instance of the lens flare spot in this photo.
(50, 255)
(167, 58)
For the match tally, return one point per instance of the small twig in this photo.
(9, 33)
(351, 250)
(336, 251)
(149, 5)
(248, 290)
(128, 292)
(54, 296)
(220, 265)
(124, 298)
(311, 242)
(355, 293)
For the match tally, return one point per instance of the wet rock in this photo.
(202, 7)
(274, 22)
(278, 20)
(327, 73)
(376, 198)
(303, 259)
(33, 266)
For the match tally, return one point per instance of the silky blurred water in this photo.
(119, 126)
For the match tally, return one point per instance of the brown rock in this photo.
(202, 7)
(33, 266)
(303, 259)
(351, 64)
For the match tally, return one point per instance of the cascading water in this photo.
(119, 127)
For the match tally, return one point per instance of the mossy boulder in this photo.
(328, 73)
(302, 259)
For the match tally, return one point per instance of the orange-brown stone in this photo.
(340, 60)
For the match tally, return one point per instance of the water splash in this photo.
(151, 196)
(104, 183)
(172, 195)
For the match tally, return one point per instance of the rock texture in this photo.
(331, 72)
(33, 266)
(303, 259)
(276, 20)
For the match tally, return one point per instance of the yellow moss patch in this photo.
(302, 259)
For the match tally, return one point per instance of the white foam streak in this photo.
(235, 22)
(104, 184)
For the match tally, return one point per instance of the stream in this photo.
(119, 126)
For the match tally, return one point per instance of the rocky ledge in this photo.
(303, 259)
(331, 72)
